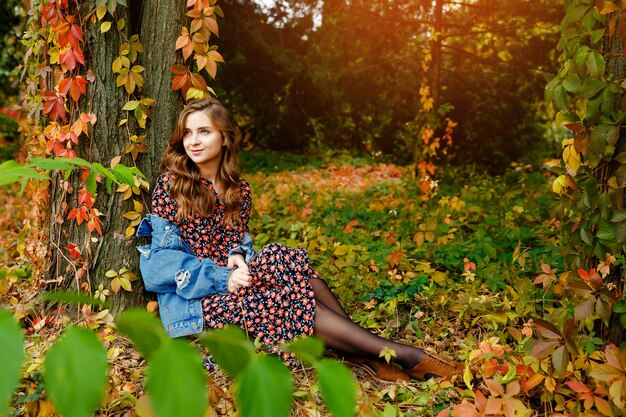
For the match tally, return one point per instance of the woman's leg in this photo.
(324, 295)
(341, 333)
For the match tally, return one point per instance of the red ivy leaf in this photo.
(74, 252)
(395, 258)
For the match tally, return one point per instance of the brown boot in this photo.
(433, 365)
(379, 370)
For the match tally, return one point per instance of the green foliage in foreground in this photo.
(76, 370)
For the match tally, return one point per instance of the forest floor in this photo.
(452, 273)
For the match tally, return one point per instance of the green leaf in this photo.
(595, 64)
(11, 171)
(337, 387)
(603, 310)
(73, 298)
(490, 251)
(620, 175)
(620, 232)
(230, 347)
(100, 169)
(308, 349)
(620, 307)
(605, 134)
(619, 216)
(584, 235)
(574, 15)
(572, 84)
(549, 91)
(581, 58)
(90, 182)
(560, 359)
(131, 105)
(606, 232)
(76, 373)
(591, 87)
(111, 5)
(597, 35)
(11, 357)
(608, 103)
(124, 174)
(264, 388)
(176, 381)
(144, 330)
(60, 163)
(560, 97)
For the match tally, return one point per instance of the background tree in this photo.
(347, 75)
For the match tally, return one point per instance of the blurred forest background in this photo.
(311, 77)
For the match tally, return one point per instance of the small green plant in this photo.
(76, 369)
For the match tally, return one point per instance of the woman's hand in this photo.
(239, 262)
(240, 277)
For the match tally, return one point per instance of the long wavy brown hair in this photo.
(193, 197)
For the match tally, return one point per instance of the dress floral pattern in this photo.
(279, 305)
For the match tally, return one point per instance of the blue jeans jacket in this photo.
(179, 278)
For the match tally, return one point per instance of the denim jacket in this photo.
(179, 278)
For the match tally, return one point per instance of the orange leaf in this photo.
(615, 357)
(395, 258)
(603, 406)
(577, 386)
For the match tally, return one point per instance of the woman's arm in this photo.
(167, 265)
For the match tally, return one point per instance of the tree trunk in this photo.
(156, 23)
(436, 52)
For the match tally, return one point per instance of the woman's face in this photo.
(202, 141)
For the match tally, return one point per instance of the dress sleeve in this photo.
(163, 205)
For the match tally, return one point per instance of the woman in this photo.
(206, 274)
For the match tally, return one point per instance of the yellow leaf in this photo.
(468, 377)
(559, 184)
(571, 158)
(121, 24)
(115, 285)
(138, 206)
(131, 215)
(126, 284)
(105, 26)
(196, 93)
(111, 273)
(115, 161)
(130, 230)
(101, 11)
(54, 55)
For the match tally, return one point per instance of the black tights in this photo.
(334, 326)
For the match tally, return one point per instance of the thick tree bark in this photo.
(158, 26)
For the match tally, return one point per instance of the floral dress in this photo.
(279, 305)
